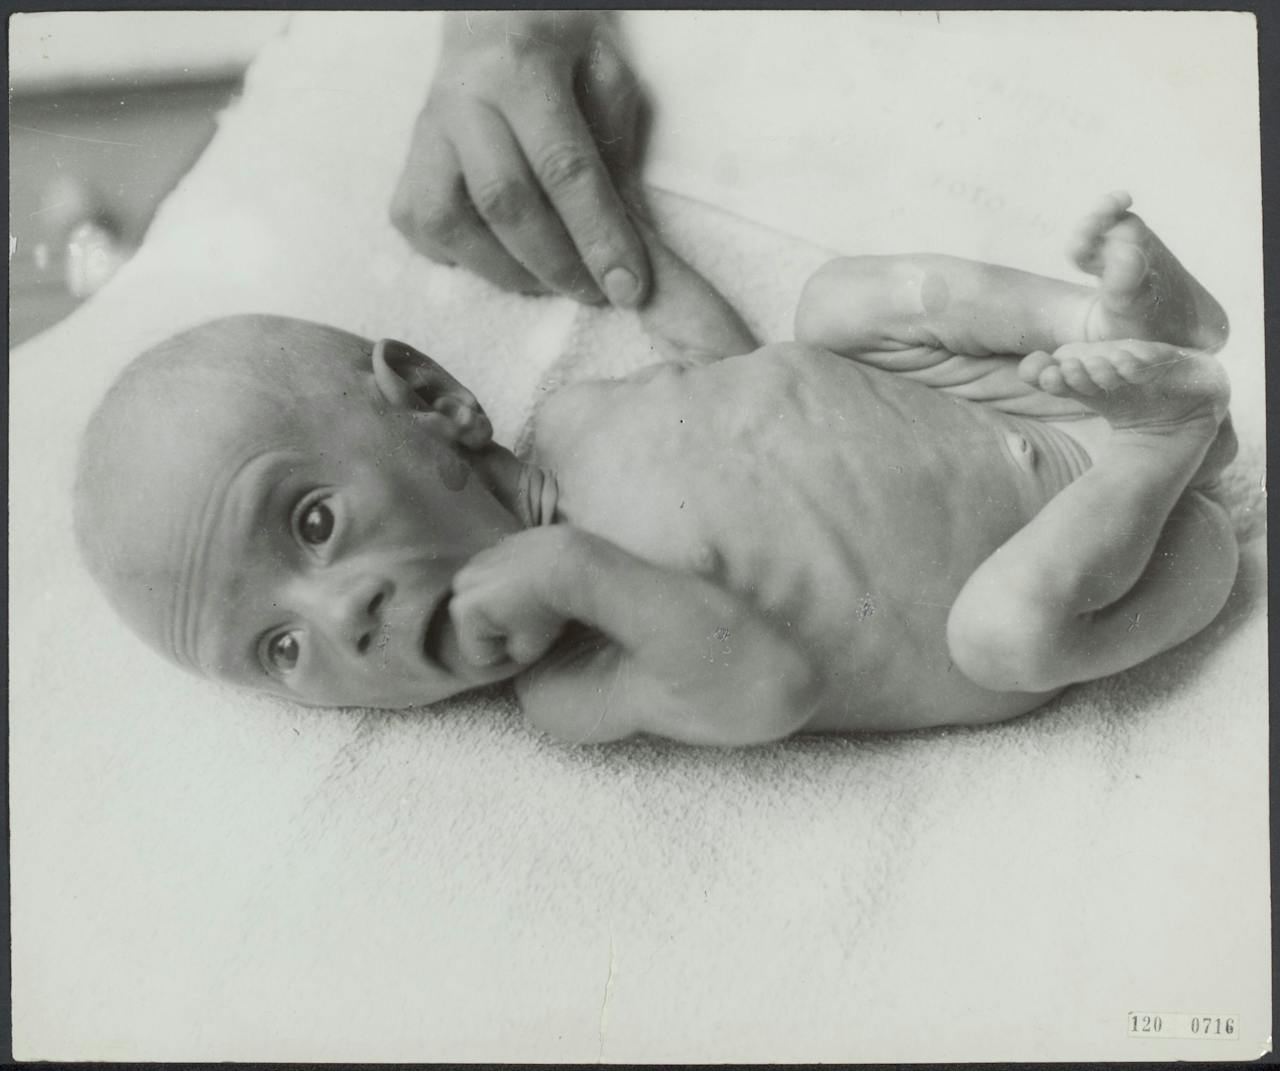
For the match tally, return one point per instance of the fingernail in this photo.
(621, 286)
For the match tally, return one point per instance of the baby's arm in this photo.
(679, 657)
(688, 319)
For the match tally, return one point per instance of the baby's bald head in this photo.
(169, 430)
(254, 492)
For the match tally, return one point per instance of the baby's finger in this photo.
(480, 572)
(480, 640)
(526, 646)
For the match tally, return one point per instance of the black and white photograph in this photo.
(615, 536)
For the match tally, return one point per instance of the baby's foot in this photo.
(1149, 387)
(1143, 291)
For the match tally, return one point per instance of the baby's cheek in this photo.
(452, 469)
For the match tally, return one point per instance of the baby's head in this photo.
(284, 505)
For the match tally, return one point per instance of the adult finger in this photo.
(430, 207)
(615, 109)
(506, 196)
(610, 99)
(567, 165)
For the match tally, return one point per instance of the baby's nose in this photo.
(357, 611)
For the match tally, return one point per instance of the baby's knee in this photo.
(1008, 644)
(1207, 554)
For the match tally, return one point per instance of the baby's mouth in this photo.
(433, 638)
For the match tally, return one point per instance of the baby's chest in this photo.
(762, 500)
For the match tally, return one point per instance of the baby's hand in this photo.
(685, 316)
(500, 608)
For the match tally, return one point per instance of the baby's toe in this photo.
(1125, 268)
(1053, 382)
(1107, 211)
(1129, 367)
(1032, 366)
(1077, 377)
(1083, 248)
(1116, 204)
(1082, 251)
(1103, 372)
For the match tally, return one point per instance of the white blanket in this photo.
(202, 874)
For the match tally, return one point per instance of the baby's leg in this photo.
(901, 311)
(1125, 562)
(952, 323)
(948, 323)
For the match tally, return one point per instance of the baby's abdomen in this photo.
(879, 615)
(886, 496)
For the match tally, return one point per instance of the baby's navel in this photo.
(1022, 450)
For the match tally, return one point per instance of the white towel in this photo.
(202, 874)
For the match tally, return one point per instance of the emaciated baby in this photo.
(962, 489)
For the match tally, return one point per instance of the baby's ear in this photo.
(412, 380)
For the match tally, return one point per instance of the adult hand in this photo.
(529, 127)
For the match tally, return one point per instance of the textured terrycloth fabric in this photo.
(199, 873)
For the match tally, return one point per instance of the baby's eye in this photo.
(316, 524)
(282, 651)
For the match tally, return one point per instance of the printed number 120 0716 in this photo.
(1213, 1026)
